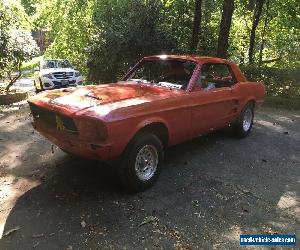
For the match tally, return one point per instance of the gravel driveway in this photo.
(211, 190)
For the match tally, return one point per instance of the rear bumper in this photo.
(72, 144)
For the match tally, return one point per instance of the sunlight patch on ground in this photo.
(287, 200)
(290, 202)
(285, 119)
(11, 188)
(12, 107)
(7, 125)
(270, 125)
(235, 232)
(13, 153)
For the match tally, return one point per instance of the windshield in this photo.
(166, 73)
(48, 64)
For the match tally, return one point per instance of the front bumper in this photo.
(71, 143)
(54, 83)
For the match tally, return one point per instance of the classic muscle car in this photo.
(162, 101)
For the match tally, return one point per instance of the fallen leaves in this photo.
(37, 235)
(148, 219)
(83, 224)
(36, 244)
(9, 232)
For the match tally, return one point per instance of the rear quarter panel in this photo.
(250, 91)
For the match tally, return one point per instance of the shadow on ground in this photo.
(211, 190)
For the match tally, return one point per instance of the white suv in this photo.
(56, 74)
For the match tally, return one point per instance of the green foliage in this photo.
(126, 31)
(31, 64)
(69, 28)
(110, 35)
(282, 102)
(17, 44)
(281, 39)
(279, 82)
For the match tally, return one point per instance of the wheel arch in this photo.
(156, 127)
(250, 100)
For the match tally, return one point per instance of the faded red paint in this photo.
(108, 116)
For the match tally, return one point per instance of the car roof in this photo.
(194, 58)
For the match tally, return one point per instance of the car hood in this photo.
(111, 96)
(54, 70)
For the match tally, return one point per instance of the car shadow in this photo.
(211, 190)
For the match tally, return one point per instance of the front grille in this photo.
(72, 82)
(63, 75)
(53, 119)
(57, 84)
(60, 84)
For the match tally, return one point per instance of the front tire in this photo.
(243, 125)
(36, 86)
(41, 85)
(141, 164)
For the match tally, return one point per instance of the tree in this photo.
(16, 43)
(196, 26)
(133, 30)
(256, 18)
(263, 33)
(20, 47)
(111, 35)
(5, 23)
(69, 29)
(228, 8)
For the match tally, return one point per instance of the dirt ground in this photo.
(211, 190)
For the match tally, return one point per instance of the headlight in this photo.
(91, 129)
(48, 76)
(77, 74)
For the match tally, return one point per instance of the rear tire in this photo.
(141, 163)
(243, 125)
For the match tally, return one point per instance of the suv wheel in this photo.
(35, 86)
(41, 84)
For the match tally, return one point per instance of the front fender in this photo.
(124, 131)
(149, 121)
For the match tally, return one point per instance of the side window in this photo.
(216, 76)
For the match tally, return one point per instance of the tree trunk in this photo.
(256, 17)
(196, 26)
(228, 8)
(263, 33)
(13, 79)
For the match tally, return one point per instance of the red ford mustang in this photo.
(163, 100)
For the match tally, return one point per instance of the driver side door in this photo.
(212, 108)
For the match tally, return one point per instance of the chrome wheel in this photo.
(146, 162)
(247, 120)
